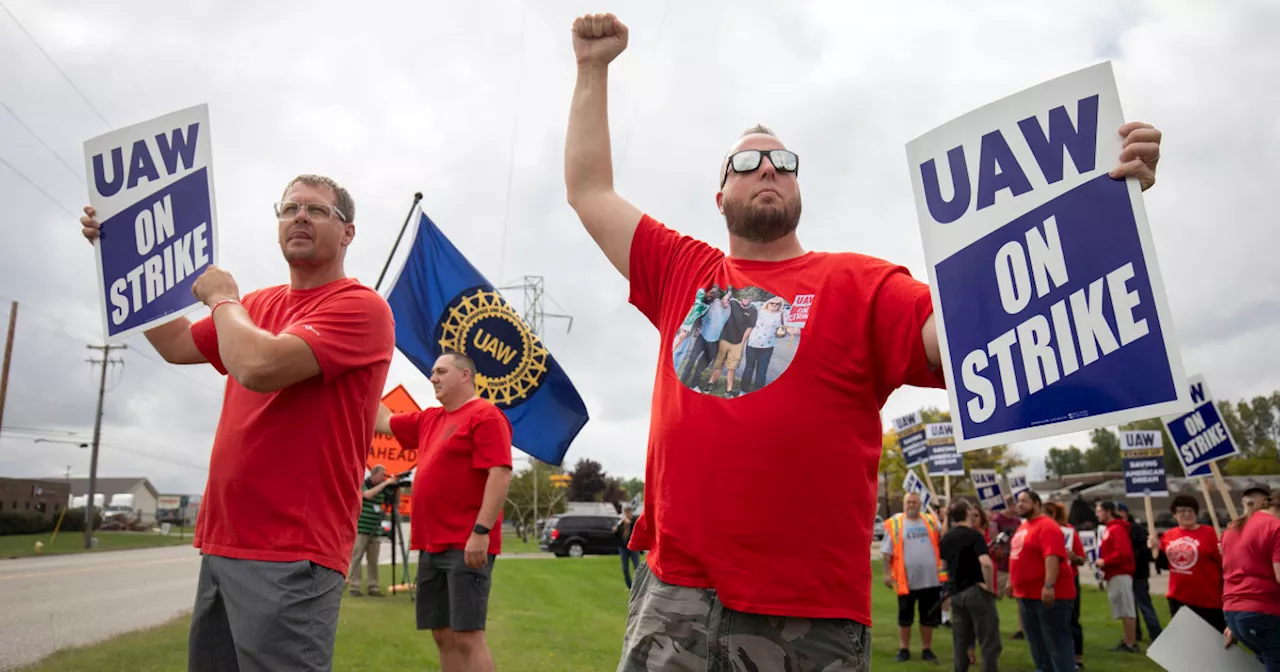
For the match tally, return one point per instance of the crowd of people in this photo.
(951, 567)
(731, 580)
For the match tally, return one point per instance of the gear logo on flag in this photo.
(510, 360)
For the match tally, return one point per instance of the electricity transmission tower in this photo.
(535, 316)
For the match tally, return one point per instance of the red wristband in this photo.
(219, 303)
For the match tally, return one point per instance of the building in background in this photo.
(143, 494)
(46, 496)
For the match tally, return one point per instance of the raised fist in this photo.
(598, 39)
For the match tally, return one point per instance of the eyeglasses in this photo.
(748, 160)
(319, 212)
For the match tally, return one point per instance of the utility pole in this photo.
(97, 434)
(535, 316)
(8, 356)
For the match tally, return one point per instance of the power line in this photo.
(57, 67)
(511, 153)
(42, 142)
(37, 187)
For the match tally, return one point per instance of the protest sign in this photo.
(987, 483)
(1142, 453)
(944, 459)
(1050, 310)
(912, 483)
(1189, 644)
(151, 185)
(1201, 437)
(1017, 483)
(911, 439)
(1089, 541)
(385, 449)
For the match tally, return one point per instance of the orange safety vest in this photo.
(898, 564)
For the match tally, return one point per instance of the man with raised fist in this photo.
(733, 580)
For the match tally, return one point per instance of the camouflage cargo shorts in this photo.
(676, 629)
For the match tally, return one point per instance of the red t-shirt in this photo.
(455, 452)
(1195, 566)
(1035, 540)
(1069, 532)
(807, 430)
(287, 466)
(1247, 566)
(1116, 549)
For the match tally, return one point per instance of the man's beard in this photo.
(761, 224)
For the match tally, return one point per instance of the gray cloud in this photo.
(443, 98)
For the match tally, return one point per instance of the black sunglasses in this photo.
(748, 160)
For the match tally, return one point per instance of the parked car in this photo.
(576, 535)
(878, 531)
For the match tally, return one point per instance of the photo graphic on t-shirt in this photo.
(736, 340)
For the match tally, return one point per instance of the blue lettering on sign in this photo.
(998, 168)
(1065, 326)
(172, 146)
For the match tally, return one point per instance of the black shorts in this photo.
(928, 600)
(451, 594)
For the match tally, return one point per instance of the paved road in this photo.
(56, 602)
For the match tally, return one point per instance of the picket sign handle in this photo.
(928, 482)
(1222, 487)
(1151, 517)
(1208, 500)
(946, 485)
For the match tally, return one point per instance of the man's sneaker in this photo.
(927, 656)
(374, 592)
(903, 656)
(355, 592)
(1018, 635)
(1125, 648)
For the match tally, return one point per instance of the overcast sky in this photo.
(468, 101)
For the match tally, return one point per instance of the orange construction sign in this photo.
(385, 449)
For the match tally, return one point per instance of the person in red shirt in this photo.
(1042, 585)
(1251, 582)
(740, 569)
(459, 487)
(1075, 558)
(1190, 552)
(1115, 559)
(306, 363)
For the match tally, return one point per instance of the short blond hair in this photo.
(345, 203)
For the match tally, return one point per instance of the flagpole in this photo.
(416, 197)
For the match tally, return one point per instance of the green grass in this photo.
(563, 615)
(23, 545)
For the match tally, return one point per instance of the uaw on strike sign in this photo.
(151, 186)
(1050, 311)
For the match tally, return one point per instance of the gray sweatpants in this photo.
(256, 616)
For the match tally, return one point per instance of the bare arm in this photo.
(257, 359)
(588, 163)
(1275, 567)
(988, 571)
(383, 424)
(174, 342)
(495, 494)
(1051, 565)
(377, 489)
(931, 349)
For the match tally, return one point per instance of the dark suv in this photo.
(576, 535)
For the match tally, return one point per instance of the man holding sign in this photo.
(306, 363)
(869, 330)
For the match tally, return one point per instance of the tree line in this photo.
(1254, 424)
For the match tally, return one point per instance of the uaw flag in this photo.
(441, 302)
